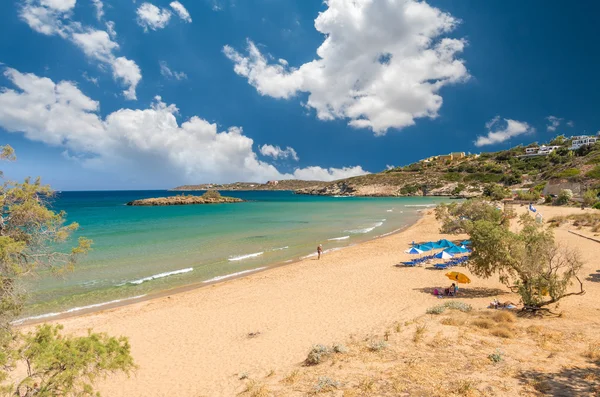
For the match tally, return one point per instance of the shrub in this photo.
(436, 309)
(339, 348)
(458, 189)
(590, 198)
(409, 189)
(452, 177)
(504, 317)
(317, 354)
(528, 196)
(325, 384)
(568, 173)
(502, 333)
(594, 173)
(212, 194)
(377, 345)
(496, 357)
(496, 192)
(483, 323)
(461, 306)
(564, 197)
(596, 206)
(419, 332)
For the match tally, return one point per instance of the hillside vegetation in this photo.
(470, 175)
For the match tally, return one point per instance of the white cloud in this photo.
(170, 74)
(136, 143)
(328, 174)
(500, 130)
(570, 124)
(381, 64)
(150, 16)
(278, 153)
(553, 123)
(93, 80)
(110, 28)
(48, 17)
(181, 11)
(99, 9)
(59, 5)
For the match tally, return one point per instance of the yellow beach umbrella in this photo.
(458, 277)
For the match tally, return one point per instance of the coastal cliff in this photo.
(210, 197)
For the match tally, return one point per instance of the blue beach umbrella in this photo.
(443, 255)
(424, 247)
(445, 243)
(455, 250)
(466, 242)
(414, 251)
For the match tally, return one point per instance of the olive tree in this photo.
(459, 217)
(31, 235)
(529, 261)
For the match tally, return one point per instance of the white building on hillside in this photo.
(547, 149)
(582, 140)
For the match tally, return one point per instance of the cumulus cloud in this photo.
(381, 64)
(328, 174)
(52, 17)
(170, 74)
(136, 143)
(500, 130)
(152, 17)
(181, 11)
(278, 153)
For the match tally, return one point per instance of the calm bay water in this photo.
(141, 250)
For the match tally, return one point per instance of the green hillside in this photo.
(469, 176)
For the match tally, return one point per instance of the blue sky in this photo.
(394, 82)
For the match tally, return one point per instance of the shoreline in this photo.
(118, 303)
(198, 342)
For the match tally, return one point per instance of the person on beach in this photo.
(319, 251)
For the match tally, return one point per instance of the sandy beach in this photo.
(196, 343)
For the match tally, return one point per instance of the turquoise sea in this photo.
(143, 250)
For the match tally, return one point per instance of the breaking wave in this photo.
(242, 257)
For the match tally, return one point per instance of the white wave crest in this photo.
(339, 238)
(366, 229)
(161, 275)
(75, 309)
(219, 278)
(242, 257)
(390, 211)
(421, 205)
(280, 249)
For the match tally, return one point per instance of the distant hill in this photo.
(467, 176)
(290, 184)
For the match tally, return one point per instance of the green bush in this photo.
(596, 206)
(528, 196)
(452, 177)
(564, 197)
(409, 189)
(568, 173)
(594, 173)
(484, 178)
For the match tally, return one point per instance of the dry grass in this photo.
(592, 351)
(483, 323)
(292, 378)
(471, 358)
(504, 316)
(589, 220)
(502, 332)
(255, 389)
(419, 332)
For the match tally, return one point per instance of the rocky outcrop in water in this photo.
(211, 197)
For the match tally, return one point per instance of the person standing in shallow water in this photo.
(319, 251)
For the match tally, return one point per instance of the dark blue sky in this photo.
(527, 60)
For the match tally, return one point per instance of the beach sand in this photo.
(196, 343)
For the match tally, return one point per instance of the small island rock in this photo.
(210, 197)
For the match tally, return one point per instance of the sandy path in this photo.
(195, 343)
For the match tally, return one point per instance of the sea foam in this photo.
(420, 205)
(242, 257)
(161, 275)
(280, 249)
(366, 229)
(219, 278)
(339, 238)
(75, 309)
